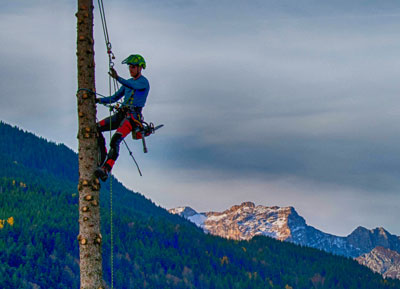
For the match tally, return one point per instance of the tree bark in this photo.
(90, 239)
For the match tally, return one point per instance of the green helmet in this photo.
(135, 59)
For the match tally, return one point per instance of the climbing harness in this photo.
(142, 130)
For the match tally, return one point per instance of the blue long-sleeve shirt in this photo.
(135, 92)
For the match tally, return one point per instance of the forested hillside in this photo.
(153, 249)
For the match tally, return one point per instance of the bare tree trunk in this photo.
(89, 204)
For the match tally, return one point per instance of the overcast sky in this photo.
(288, 103)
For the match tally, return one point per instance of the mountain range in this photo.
(243, 222)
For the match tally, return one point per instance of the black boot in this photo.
(102, 150)
(101, 173)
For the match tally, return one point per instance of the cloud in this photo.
(288, 92)
(38, 73)
(267, 95)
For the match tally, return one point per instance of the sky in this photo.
(287, 103)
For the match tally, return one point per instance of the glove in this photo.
(97, 100)
(113, 73)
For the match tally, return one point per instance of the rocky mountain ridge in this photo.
(377, 249)
(383, 261)
(242, 222)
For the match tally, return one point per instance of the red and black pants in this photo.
(124, 121)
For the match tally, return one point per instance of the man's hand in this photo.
(97, 100)
(113, 73)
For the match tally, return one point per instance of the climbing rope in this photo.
(111, 57)
(105, 32)
(91, 91)
(111, 212)
(130, 152)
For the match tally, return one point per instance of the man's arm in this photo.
(113, 98)
(139, 83)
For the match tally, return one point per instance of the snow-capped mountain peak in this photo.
(190, 214)
(183, 211)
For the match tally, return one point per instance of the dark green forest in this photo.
(153, 249)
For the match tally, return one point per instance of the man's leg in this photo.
(104, 125)
(124, 129)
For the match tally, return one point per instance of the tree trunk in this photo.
(89, 204)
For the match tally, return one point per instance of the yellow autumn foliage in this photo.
(10, 221)
(224, 260)
(253, 275)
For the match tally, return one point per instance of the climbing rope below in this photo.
(115, 86)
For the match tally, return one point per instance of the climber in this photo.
(129, 115)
